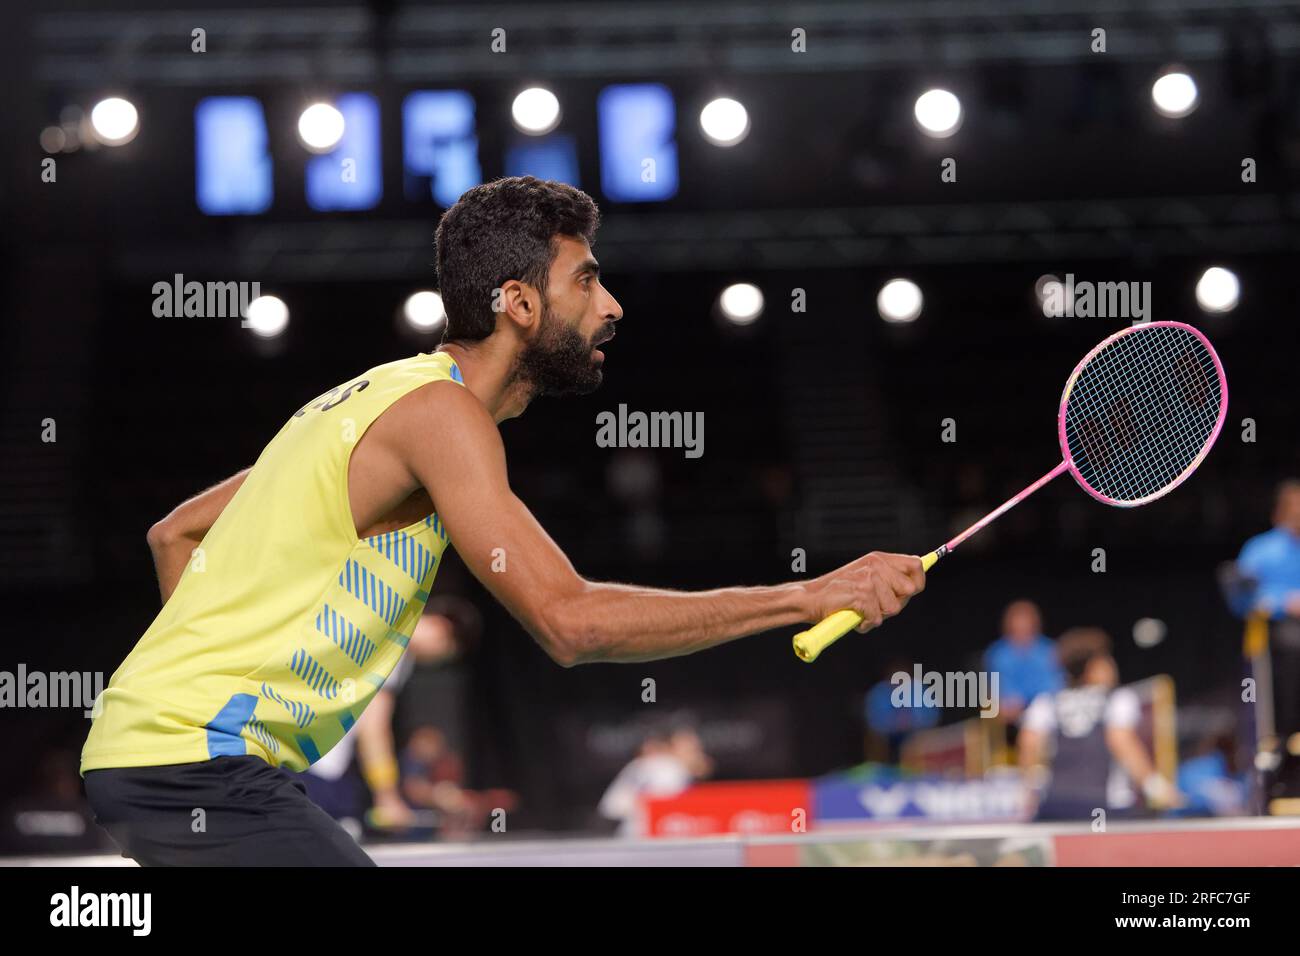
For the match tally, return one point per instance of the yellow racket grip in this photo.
(809, 644)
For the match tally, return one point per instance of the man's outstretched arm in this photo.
(173, 539)
(459, 459)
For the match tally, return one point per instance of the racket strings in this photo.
(1129, 423)
(1142, 411)
(1138, 431)
(1144, 433)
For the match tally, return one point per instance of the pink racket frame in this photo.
(1068, 463)
(1214, 436)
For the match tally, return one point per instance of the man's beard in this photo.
(558, 361)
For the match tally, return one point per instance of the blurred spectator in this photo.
(1212, 780)
(668, 762)
(1093, 726)
(1272, 559)
(433, 777)
(448, 628)
(1023, 658)
(888, 724)
(1270, 563)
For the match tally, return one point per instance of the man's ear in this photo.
(520, 303)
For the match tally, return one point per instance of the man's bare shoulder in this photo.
(440, 412)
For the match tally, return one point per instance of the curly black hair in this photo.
(503, 230)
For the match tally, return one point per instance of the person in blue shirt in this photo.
(1024, 659)
(1272, 559)
(1213, 782)
(889, 722)
(1270, 565)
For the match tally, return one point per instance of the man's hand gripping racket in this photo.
(1137, 416)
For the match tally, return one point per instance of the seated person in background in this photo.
(668, 762)
(1093, 724)
(1213, 781)
(433, 776)
(887, 723)
(1024, 660)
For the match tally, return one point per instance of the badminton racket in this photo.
(1137, 416)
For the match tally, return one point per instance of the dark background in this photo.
(822, 428)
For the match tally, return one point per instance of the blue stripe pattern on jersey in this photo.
(301, 713)
(434, 522)
(345, 634)
(405, 552)
(365, 585)
(260, 731)
(313, 675)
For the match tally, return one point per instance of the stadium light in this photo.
(724, 121)
(320, 127)
(741, 303)
(937, 113)
(1218, 290)
(536, 111)
(1174, 94)
(267, 316)
(900, 300)
(423, 311)
(114, 121)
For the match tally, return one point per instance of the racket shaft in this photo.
(810, 643)
(1005, 507)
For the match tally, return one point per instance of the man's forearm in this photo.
(376, 752)
(624, 623)
(170, 556)
(173, 539)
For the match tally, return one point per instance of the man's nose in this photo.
(613, 311)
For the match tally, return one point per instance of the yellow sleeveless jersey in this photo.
(284, 623)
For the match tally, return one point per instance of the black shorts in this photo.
(228, 811)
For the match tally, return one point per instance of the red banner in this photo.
(768, 806)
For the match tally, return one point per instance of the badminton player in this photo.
(291, 589)
(1092, 723)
